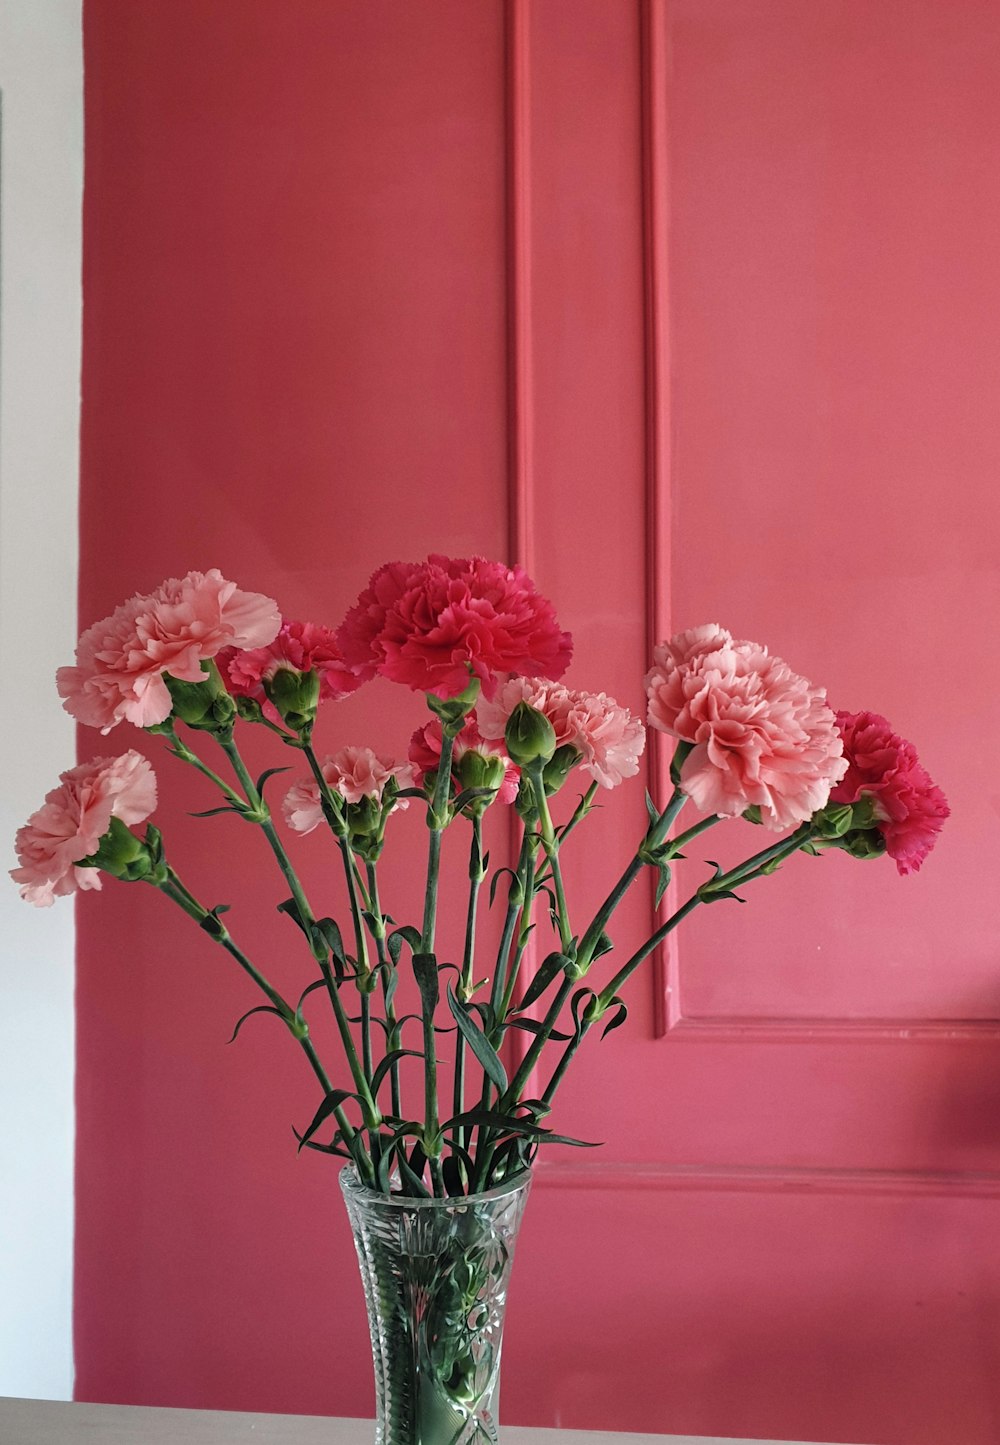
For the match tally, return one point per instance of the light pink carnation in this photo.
(608, 738)
(910, 809)
(425, 755)
(120, 661)
(73, 820)
(432, 625)
(762, 736)
(354, 773)
(300, 646)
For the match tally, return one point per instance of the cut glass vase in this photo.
(435, 1275)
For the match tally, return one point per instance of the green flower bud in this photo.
(834, 820)
(205, 705)
(529, 736)
(480, 770)
(752, 814)
(125, 856)
(559, 767)
(295, 695)
(249, 709)
(862, 843)
(451, 710)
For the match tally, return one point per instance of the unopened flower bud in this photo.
(559, 767)
(295, 695)
(122, 854)
(834, 820)
(529, 736)
(452, 710)
(480, 770)
(862, 843)
(205, 705)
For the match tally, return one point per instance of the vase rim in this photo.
(350, 1182)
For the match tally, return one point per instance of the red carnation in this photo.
(435, 625)
(909, 808)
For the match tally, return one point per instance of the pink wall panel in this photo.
(367, 279)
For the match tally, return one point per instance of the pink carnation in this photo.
(120, 661)
(909, 808)
(425, 755)
(432, 625)
(299, 646)
(761, 735)
(609, 740)
(73, 820)
(354, 773)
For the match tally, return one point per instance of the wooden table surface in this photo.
(48, 1422)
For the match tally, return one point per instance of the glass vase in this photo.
(435, 1275)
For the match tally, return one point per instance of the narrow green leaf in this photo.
(328, 1106)
(549, 969)
(310, 988)
(478, 1043)
(533, 1026)
(495, 881)
(290, 907)
(603, 945)
(662, 884)
(262, 1008)
(386, 1064)
(266, 774)
(616, 1023)
(425, 971)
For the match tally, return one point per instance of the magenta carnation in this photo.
(354, 773)
(434, 625)
(910, 809)
(760, 735)
(120, 661)
(299, 646)
(72, 821)
(608, 738)
(425, 755)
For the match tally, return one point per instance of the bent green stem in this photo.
(181, 895)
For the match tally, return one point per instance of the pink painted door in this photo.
(690, 305)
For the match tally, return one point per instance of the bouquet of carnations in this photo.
(199, 659)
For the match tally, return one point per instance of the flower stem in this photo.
(477, 873)
(319, 947)
(179, 893)
(386, 968)
(550, 842)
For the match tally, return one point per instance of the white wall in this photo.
(41, 176)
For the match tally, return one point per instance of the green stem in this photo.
(753, 867)
(702, 826)
(529, 885)
(655, 836)
(181, 750)
(179, 893)
(550, 843)
(386, 969)
(319, 948)
(476, 875)
(437, 821)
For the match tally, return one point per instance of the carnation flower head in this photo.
(909, 808)
(121, 660)
(72, 821)
(760, 735)
(356, 773)
(608, 738)
(300, 647)
(425, 755)
(439, 624)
